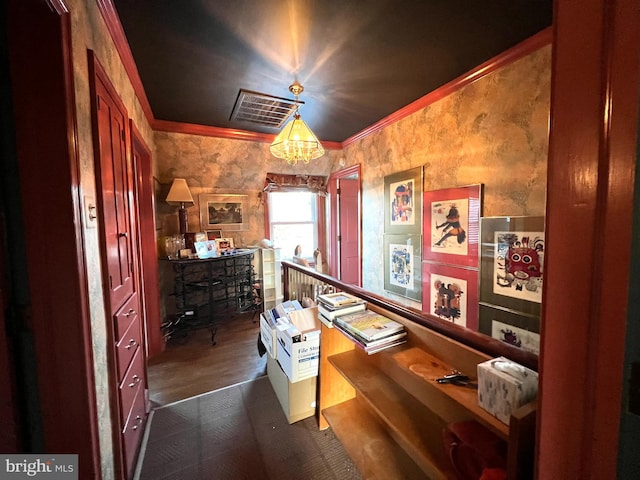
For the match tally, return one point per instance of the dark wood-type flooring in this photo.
(238, 431)
(192, 366)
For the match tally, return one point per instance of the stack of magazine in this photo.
(371, 331)
(332, 305)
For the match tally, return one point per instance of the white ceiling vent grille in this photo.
(262, 109)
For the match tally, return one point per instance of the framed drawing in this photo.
(451, 293)
(512, 262)
(223, 212)
(452, 225)
(403, 202)
(402, 270)
(519, 330)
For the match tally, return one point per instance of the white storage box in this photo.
(268, 328)
(298, 346)
(298, 400)
(504, 386)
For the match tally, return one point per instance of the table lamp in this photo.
(180, 194)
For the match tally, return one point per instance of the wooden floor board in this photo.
(193, 365)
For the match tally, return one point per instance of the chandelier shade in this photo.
(296, 142)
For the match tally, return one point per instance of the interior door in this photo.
(349, 230)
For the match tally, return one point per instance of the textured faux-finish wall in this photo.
(219, 165)
(493, 131)
(88, 31)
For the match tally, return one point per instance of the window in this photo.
(293, 221)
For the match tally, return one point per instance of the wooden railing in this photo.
(302, 282)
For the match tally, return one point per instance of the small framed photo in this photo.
(402, 265)
(512, 263)
(403, 202)
(450, 293)
(452, 225)
(206, 249)
(223, 212)
(224, 244)
(519, 330)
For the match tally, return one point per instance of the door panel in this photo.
(349, 221)
(114, 183)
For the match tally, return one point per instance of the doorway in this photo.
(345, 227)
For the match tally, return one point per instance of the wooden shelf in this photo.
(417, 370)
(375, 453)
(409, 422)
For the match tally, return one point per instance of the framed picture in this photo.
(206, 249)
(402, 265)
(519, 330)
(223, 212)
(403, 202)
(452, 225)
(451, 293)
(511, 263)
(224, 244)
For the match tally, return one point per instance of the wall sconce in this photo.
(179, 194)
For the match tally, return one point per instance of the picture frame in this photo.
(452, 225)
(403, 202)
(512, 263)
(402, 265)
(224, 244)
(516, 329)
(223, 212)
(450, 292)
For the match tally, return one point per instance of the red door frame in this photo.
(333, 256)
(149, 278)
(40, 55)
(592, 161)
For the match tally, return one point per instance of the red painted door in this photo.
(115, 198)
(349, 230)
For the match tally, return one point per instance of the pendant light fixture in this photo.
(296, 142)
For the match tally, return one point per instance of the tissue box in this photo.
(504, 386)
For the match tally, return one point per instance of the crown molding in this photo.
(111, 19)
(116, 31)
(517, 52)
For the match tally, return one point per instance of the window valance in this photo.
(279, 182)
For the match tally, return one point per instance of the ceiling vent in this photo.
(262, 109)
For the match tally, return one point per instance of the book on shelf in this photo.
(368, 324)
(375, 345)
(330, 314)
(338, 299)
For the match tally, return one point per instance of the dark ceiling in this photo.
(358, 60)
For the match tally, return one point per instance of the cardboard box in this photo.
(298, 345)
(298, 400)
(268, 335)
(504, 386)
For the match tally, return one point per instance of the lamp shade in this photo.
(179, 192)
(296, 142)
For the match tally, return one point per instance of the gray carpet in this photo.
(238, 432)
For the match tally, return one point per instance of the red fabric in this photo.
(475, 451)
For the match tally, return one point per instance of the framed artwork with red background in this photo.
(451, 293)
(452, 225)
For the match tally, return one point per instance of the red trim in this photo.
(46, 128)
(147, 246)
(590, 187)
(517, 52)
(114, 26)
(332, 252)
(206, 131)
(111, 19)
